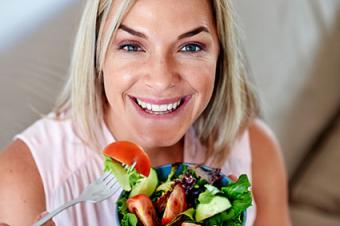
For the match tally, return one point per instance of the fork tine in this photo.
(115, 188)
(105, 175)
(109, 178)
(112, 183)
(129, 168)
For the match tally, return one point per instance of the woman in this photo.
(164, 74)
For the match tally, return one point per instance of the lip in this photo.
(169, 115)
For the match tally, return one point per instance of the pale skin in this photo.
(162, 71)
(160, 66)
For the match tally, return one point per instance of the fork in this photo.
(99, 190)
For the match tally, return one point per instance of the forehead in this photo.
(168, 15)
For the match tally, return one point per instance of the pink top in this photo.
(66, 166)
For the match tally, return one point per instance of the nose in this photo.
(161, 73)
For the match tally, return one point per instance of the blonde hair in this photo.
(83, 93)
(233, 104)
(228, 112)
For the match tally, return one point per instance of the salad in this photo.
(180, 194)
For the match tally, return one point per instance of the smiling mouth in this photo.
(159, 109)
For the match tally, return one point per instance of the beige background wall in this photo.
(294, 52)
(33, 67)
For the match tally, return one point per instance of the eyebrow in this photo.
(132, 31)
(193, 32)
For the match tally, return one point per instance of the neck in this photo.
(164, 155)
(160, 155)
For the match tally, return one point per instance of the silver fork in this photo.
(99, 190)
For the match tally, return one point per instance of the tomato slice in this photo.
(189, 224)
(128, 152)
(175, 205)
(142, 206)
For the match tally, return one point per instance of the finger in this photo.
(41, 215)
(48, 223)
(3, 224)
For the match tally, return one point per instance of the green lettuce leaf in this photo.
(208, 194)
(126, 178)
(240, 197)
(127, 219)
(236, 190)
(168, 184)
(186, 215)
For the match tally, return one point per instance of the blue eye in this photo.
(191, 48)
(130, 48)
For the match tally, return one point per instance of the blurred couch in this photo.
(293, 48)
(293, 52)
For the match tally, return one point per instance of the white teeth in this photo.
(155, 107)
(169, 107)
(158, 109)
(163, 107)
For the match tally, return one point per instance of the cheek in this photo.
(117, 80)
(202, 80)
(111, 82)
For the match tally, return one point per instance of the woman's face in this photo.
(159, 70)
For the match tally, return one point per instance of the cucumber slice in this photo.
(119, 172)
(146, 185)
(217, 205)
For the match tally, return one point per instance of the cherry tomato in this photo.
(142, 206)
(128, 152)
(175, 205)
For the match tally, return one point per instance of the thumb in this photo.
(48, 223)
(3, 224)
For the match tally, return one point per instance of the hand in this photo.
(48, 223)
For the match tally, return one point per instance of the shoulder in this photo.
(266, 152)
(269, 176)
(50, 127)
(48, 140)
(21, 185)
(263, 140)
(267, 159)
(56, 150)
